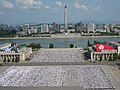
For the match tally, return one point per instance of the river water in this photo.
(60, 42)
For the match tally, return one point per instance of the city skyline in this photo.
(44, 11)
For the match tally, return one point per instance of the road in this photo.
(58, 63)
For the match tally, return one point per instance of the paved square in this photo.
(89, 76)
(59, 55)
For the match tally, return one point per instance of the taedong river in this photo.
(60, 42)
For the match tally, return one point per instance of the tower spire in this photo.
(65, 6)
(65, 18)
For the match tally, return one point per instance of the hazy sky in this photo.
(47, 11)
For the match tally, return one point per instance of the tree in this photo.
(115, 56)
(38, 45)
(95, 42)
(51, 45)
(105, 58)
(4, 60)
(33, 45)
(13, 43)
(71, 45)
(110, 58)
(88, 44)
(75, 46)
(16, 59)
(100, 58)
(119, 57)
(8, 60)
(13, 60)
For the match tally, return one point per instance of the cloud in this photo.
(77, 5)
(29, 4)
(6, 4)
(59, 3)
(47, 7)
(23, 4)
(97, 8)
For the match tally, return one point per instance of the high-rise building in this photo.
(32, 30)
(44, 28)
(65, 18)
(56, 27)
(90, 27)
(79, 27)
(25, 27)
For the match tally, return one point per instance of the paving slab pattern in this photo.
(58, 55)
(89, 76)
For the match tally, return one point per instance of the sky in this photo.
(48, 11)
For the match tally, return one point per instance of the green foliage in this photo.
(13, 60)
(7, 33)
(32, 45)
(105, 58)
(13, 43)
(97, 42)
(118, 57)
(109, 34)
(38, 45)
(51, 45)
(71, 45)
(17, 59)
(115, 56)
(88, 43)
(35, 45)
(4, 60)
(75, 46)
(100, 58)
(110, 58)
(8, 60)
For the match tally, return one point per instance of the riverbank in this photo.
(61, 36)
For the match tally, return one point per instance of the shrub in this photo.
(71, 45)
(13, 60)
(51, 45)
(110, 58)
(8, 60)
(4, 60)
(16, 59)
(115, 56)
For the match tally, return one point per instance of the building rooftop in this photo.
(103, 47)
(5, 44)
(115, 43)
(21, 47)
(8, 47)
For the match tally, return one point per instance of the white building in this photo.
(116, 46)
(12, 52)
(90, 27)
(6, 45)
(44, 28)
(101, 52)
(32, 30)
(25, 27)
(116, 28)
